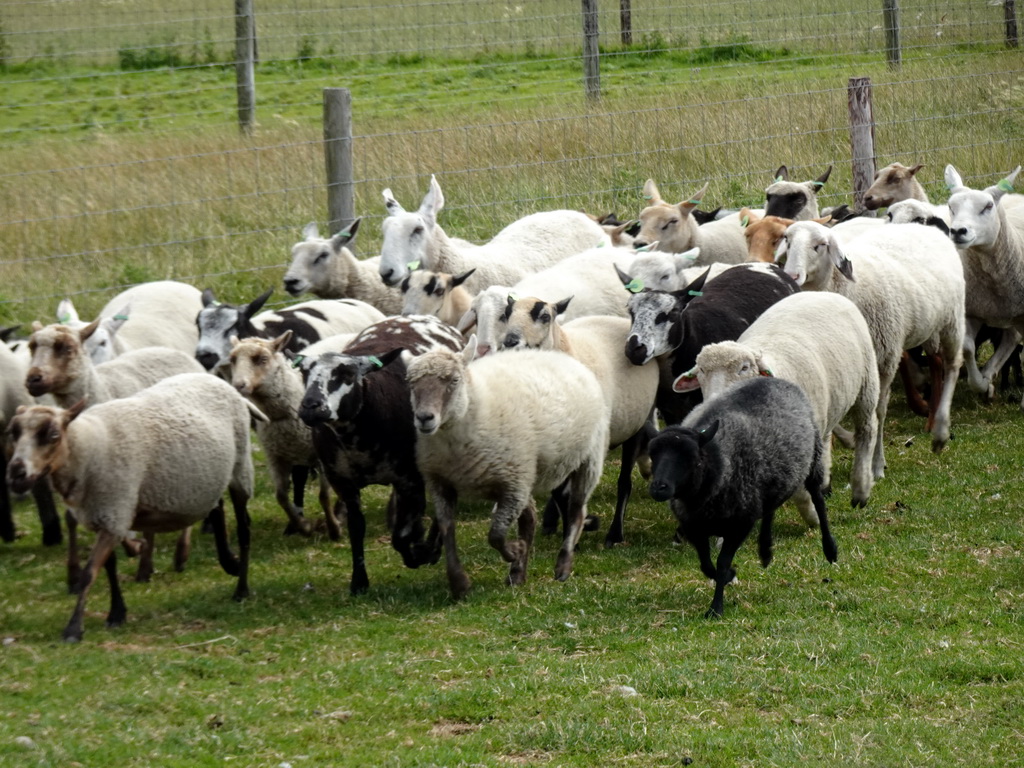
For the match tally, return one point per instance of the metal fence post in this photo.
(245, 66)
(591, 55)
(862, 137)
(341, 206)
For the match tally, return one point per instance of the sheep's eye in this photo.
(665, 277)
(15, 432)
(417, 231)
(987, 208)
(669, 223)
(439, 292)
(320, 257)
(545, 318)
(54, 436)
(58, 348)
(780, 259)
(661, 318)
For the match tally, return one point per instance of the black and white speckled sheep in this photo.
(734, 461)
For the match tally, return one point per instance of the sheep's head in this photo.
(437, 386)
(661, 271)
(893, 183)
(809, 252)
(671, 226)
(425, 292)
(675, 460)
(253, 360)
(218, 322)
(719, 366)
(319, 265)
(793, 200)
(58, 357)
(408, 237)
(974, 213)
(334, 385)
(39, 447)
(530, 323)
(485, 318)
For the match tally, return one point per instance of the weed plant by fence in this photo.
(121, 158)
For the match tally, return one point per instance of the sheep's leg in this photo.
(227, 559)
(702, 544)
(183, 549)
(243, 525)
(506, 511)
(572, 527)
(407, 534)
(885, 384)
(391, 513)
(915, 401)
(844, 436)
(102, 550)
(356, 522)
(445, 499)
(330, 518)
(805, 507)
(764, 538)
(7, 531)
(527, 529)
(554, 509)
(1011, 338)
(118, 613)
(145, 570)
(624, 488)
(300, 475)
(828, 544)
(279, 474)
(724, 573)
(74, 569)
(48, 517)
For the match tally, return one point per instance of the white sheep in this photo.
(674, 229)
(326, 268)
(436, 293)
(156, 314)
(821, 342)
(524, 246)
(987, 227)
(892, 184)
(596, 341)
(157, 461)
(260, 373)
(919, 212)
(503, 428)
(909, 284)
(61, 367)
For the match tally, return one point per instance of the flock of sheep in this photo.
(447, 369)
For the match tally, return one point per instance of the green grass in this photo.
(906, 652)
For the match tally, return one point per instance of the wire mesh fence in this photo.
(122, 160)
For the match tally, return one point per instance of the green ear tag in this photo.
(818, 184)
(693, 202)
(63, 319)
(745, 222)
(375, 361)
(298, 361)
(513, 297)
(648, 197)
(696, 293)
(1005, 185)
(600, 245)
(119, 317)
(778, 179)
(413, 266)
(635, 286)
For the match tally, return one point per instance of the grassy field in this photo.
(906, 652)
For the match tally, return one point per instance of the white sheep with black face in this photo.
(908, 282)
(325, 267)
(436, 293)
(797, 200)
(487, 428)
(524, 246)
(987, 227)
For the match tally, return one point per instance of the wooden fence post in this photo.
(341, 205)
(245, 67)
(1010, 15)
(862, 137)
(591, 54)
(626, 21)
(891, 15)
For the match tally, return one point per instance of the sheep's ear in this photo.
(748, 217)
(256, 304)
(843, 264)
(651, 193)
(954, 183)
(824, 220)
(432, 203)
(393, 206)
(469, 351)
(234, 341)
(628, 282)
(687, 381)
(6, 333)
(113, 324)
(72, 413)
(310, 231)
(781, 250)
(460, 279)
(467, 321)
(66, 312)
(346, 236)
(562, 305)
(694, 289)
(762, 366)
(1005, 185)
(688, 205)
(819, 182)
(707, 434)
(89, 330)
(390, 356)
(510, 306)
(281, 341)
(685, 259)
(36, 326)
(782, 174)
(208, 298)
(913, 171)
(407, 357)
